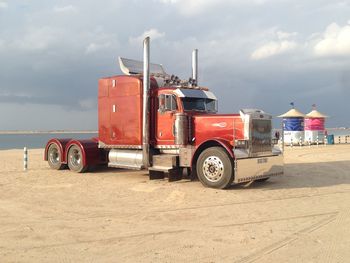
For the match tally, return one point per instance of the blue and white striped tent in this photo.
(293, 126)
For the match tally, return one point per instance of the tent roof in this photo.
(292, 113)
(315, 114)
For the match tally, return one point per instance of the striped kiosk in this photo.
(293, 126)
(315, 126)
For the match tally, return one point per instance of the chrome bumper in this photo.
(250, 169)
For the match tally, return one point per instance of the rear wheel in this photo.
(75, 160)
(214, 168)
(54, 157)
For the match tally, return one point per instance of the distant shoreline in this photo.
(45, 132)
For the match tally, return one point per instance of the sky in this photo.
(252, 54)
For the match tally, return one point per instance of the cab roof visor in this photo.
(193, 93)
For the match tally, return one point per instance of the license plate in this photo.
(262, 160)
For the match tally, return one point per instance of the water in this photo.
(33, 141)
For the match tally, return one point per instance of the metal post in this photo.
(300, 141)
(25, 159)
(195, 65)
(339, 139)
(145, 113)
(317, 142)
(325, 140)
(291, 142)
(309, 142)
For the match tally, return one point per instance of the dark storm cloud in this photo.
(258, 53)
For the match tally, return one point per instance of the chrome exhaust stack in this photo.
(195, 66)
(145, 112)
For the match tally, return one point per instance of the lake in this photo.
(38, 140)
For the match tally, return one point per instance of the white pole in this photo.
(291, 142)
(325, 140)
(317, 140)
(300, 141)
(25, 159)
(309, 142)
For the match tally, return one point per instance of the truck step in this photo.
(165, 160)
(161, 172)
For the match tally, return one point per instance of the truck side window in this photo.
(167, 102)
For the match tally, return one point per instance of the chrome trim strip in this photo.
(102, 145)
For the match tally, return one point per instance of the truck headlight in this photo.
(241, 143)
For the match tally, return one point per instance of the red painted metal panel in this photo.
(227, 127)
(120, 110)
(91, 154)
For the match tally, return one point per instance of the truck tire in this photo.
(214, 168)
(54, 157)
(75, 160)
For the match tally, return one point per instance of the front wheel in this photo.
(214, 168)
(75, 160)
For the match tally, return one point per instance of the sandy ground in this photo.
(120, 216)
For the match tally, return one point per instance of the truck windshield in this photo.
(199, 104)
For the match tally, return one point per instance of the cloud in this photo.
(335, 41)
(196, 7)
(283, 43)
(153, 33)
(65, 9)
(38, 38)
(88, 104)
(3, 5)
(94, 47)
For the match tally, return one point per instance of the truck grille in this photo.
(261, 136)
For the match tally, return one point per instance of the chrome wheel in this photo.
(54, 156)
(75, 158)
(213, 169)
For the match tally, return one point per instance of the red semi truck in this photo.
(150, 120)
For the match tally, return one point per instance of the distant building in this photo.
(293, 126)
(315, 126)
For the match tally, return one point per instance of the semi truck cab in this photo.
(148, 119)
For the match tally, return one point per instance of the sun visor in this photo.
(195, 93)
(132, 67)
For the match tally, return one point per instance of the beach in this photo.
(114, 215)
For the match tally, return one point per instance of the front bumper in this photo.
(249, 169)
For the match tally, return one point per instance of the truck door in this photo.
(167, 107)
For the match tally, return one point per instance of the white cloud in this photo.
(3, 5)
(38, 38)
(335, 41)
(94, 47)
(285, 35)
(195, 7)
(153, 33)
(282, 42)
(273, 48)
(64, 9)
